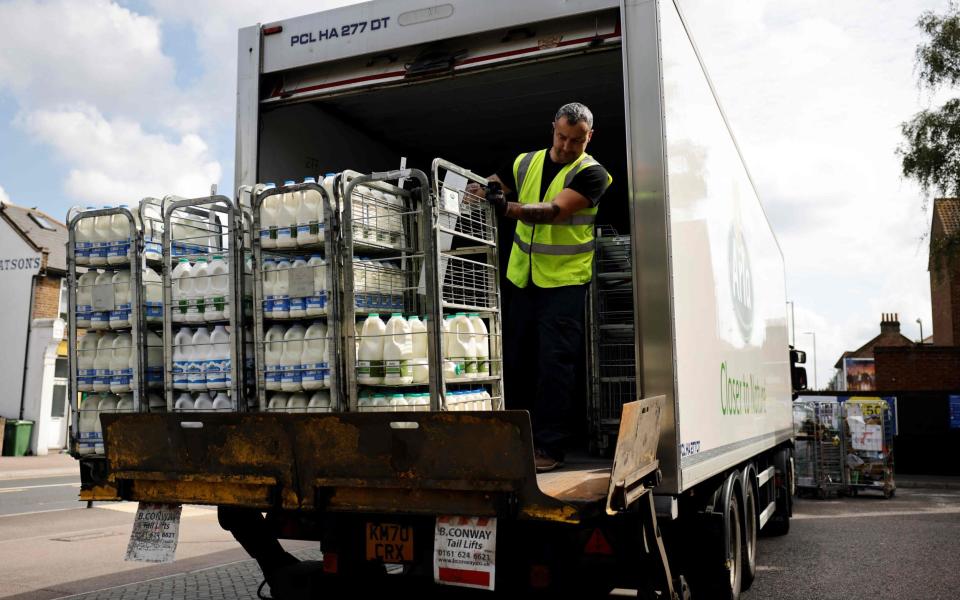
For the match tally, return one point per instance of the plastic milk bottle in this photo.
(309, 216)
(420, 360)
(370, 369)
(313, 357)
(397, 351)
(290, 380)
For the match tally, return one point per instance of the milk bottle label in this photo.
(269, 234)
(86, 377)
(195, 373)
(297, 303)
(397, 368)
(311, 228)
(100, 250)
(103, 377)
(180, 370)
(365, 368)
(122, 377)
(285, 233)
(314, 372)
(317, 302)
(119, 249)
(217, 302)
(290, 374)
(217, 371)
(281, 303)
(82, 251)
(152, 246)
(154, 310)
(122, 312)
(84, 312)
(273, 375)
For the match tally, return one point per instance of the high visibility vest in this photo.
(555, 254)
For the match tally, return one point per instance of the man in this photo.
(558, 191)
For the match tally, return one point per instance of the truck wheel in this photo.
(719, 574)
(749, 529)
(729, 580)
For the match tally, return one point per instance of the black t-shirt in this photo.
(590, 182)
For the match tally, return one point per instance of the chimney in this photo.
(890, 323)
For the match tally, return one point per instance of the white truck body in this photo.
(476, 83)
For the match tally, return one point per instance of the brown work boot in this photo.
(544, 462)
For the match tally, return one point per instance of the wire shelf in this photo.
(468, 284)
(465, 214)
(378, 219)
(386, 285)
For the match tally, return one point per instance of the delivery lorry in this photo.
(701, 462)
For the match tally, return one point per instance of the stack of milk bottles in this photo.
(111, 365)
(295, 374)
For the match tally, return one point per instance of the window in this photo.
(58, 406)
(63, 299)
(42, 221)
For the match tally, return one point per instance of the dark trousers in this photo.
(543, 343)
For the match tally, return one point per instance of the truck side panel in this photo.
(733, 380)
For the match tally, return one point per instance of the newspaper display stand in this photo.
(868, 447)
(819, 446)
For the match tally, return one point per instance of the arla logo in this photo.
(741, 281)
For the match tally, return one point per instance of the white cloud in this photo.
(93, 51)
(4, 198)
(815, 93)
(116, 160)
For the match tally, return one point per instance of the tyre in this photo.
(720, 572)
(729, 583)
(750, 522)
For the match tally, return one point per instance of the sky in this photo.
(106, 101)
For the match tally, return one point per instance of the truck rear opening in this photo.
(365, 114)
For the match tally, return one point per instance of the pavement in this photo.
(33, 467)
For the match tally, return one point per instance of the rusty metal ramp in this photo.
(428, 463)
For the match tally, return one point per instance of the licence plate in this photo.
(389, 542)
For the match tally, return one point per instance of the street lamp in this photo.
(816, 385)
(920, 323)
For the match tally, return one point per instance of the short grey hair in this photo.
(574, 113)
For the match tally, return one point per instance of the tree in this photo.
(930, 153)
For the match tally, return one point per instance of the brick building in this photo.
(33, 363)
(936, 366)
